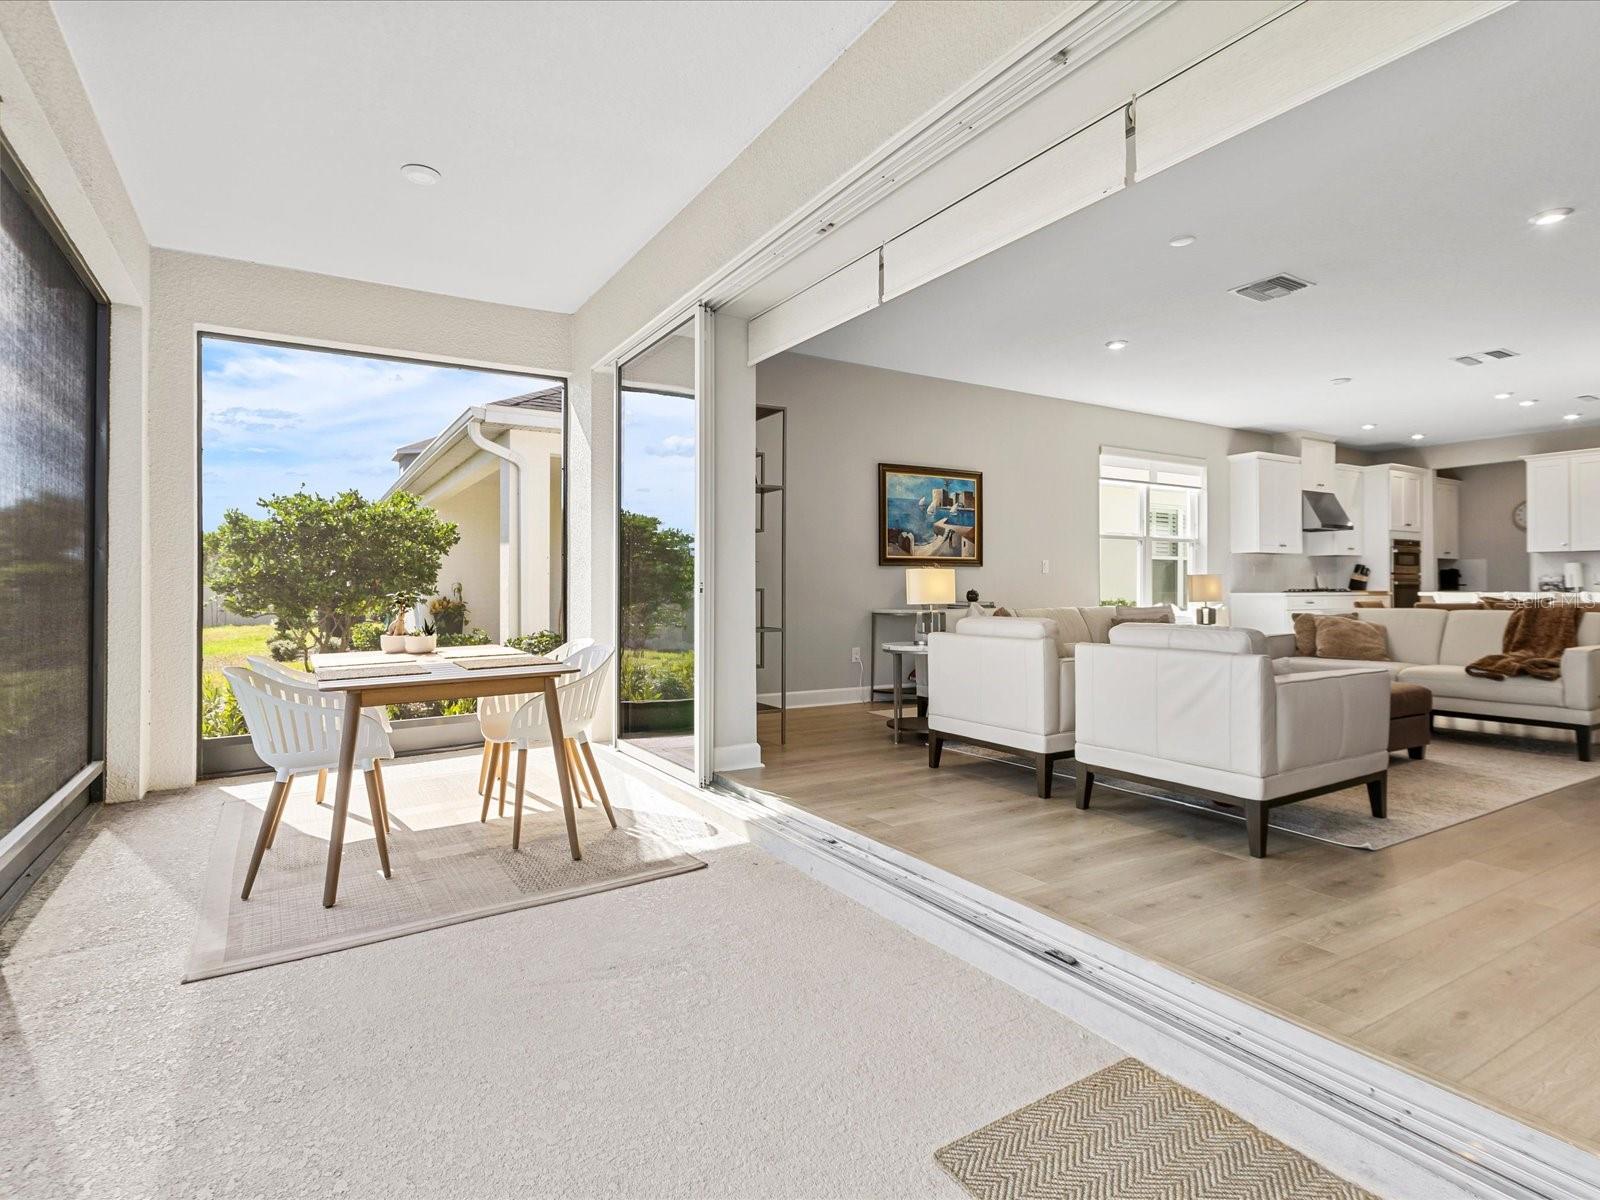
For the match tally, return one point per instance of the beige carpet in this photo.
(1467, 773)
(446, 866)
(1127, 1133)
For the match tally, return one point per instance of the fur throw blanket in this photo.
(1534, 639)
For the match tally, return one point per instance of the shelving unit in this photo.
(765, 627)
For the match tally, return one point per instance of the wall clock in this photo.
(1519, 516)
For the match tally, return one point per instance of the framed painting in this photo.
(929, 514)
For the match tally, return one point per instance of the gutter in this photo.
(513, 583)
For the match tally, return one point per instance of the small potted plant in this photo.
(393, 639)
(423, 641)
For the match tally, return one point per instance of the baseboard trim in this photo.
(819, 698)
(1391, 1131)
(743, 757)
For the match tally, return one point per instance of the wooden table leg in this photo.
(341, 794)
(522, 780)
(552, 716)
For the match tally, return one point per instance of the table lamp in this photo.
(929, 586)
(1205, 590)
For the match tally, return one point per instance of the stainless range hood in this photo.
(1321, 512)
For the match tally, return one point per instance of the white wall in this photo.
(190, 292)
(474, 561)
(1040, 462)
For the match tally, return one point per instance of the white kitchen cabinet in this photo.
(1586, 502)
(1405, 502)
(1264, 504)
(1347, 487)
(1446, 518)
(1549, 504)
(1273, 612)
(1317, 468)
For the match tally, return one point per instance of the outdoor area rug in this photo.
(1127, 1133)
(446, 866)
(1470, 770)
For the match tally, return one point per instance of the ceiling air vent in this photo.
(1500, 353)
(1273, 288)
(1466, 360)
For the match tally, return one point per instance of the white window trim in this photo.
(1196, 543)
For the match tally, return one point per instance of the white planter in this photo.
(392, 643)
(421, 643)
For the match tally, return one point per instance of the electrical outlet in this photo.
(855, 654)
(1044, 566)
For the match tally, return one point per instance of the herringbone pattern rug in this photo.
(1127, 1133)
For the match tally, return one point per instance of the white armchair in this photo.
(1001, 682)
(1202, 711)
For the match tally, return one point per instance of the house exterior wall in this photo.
(540, 450)
(474, 561)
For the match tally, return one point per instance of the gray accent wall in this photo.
(1040, 462)
(1488, 494)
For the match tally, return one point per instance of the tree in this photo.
(657, 576)
(320, 564)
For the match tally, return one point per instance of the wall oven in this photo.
(1405, 572)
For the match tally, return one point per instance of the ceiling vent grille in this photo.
(1466, 360)
(1500, 353)
(1272, 288)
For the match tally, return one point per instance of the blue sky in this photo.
(276, 418)
(658, 451)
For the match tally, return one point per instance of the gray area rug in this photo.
(446, 867)
(1467, 773)
(1128, 1133)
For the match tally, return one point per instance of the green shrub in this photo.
(219, 711)
(536, 643)
(285, 650)
(658, 675)
(476, 637)
(365, 635)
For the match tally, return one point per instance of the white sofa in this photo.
(1432, 647)
(1203, 711)
(1002, 682)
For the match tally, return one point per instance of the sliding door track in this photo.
(1457, 1139)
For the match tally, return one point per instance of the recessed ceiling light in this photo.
(1183, 239)
(1502, 395)
(1550, 216)
(1369, 426)
(1570, 417)
(420, 174)
(1341, 379)
(1526, 403)
(1117, 344)
(1417, 437)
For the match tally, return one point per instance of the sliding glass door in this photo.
(660, 551)
(53, 339)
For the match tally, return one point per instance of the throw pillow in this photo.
(1358, 639)
(1305, 630)
(1001, 611)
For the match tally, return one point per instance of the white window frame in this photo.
(1127, 466)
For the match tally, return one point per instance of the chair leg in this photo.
(1084, 787)
(269, 818)
(383, 795)
(1416, 751)
(483, 764)
(1043, 774)
(599, 784)
(277, 819)
(505, 769)
(1255, 823)
(375, 804)
(522, 779)
(322, 784)
(1378, 795)
(935, 748)
(578, 772)
(487, 786)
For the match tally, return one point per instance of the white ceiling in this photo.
(1403, 196)
(567, 133)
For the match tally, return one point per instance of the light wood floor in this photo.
(1471, 955)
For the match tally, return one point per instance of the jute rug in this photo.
(446, 867)
(1467, 773)
(1127, 1133)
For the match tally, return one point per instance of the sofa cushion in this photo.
(1070, 626)
(1351, 640)
(1470, 634)
(1099, 620)
(1189, 637)
(1589, 629)
(1283, 666)
(1414, 633)
(1453, 683)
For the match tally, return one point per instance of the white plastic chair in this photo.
(379, 713)
(490, 767)
(520, 722)
(296, 729)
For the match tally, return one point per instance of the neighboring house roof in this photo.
(549, 400)
(423, 465)
(546, 400)
(410, 450)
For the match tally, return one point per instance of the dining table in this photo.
(372, 678)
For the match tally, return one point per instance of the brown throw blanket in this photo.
(1534, 639)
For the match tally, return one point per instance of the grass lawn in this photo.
(227, 645)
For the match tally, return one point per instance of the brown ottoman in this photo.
(1410, 727)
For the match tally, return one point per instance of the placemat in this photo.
(373, 671)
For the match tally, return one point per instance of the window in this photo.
(1152, 528)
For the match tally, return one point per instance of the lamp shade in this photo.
(1205, 589)
(930, 585)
